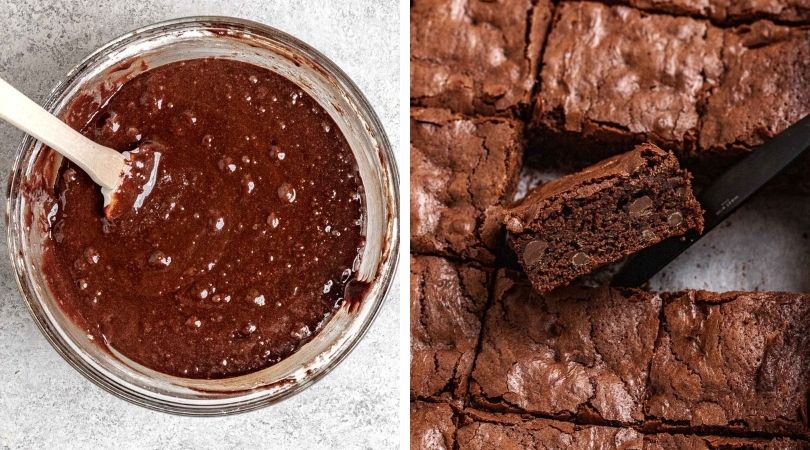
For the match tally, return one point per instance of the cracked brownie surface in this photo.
(664, 441)
(614, 76)
(474, 56)
(729, 11)
(481, 430)
(447, 302)
(765, 88)
(459, 167)
(733, 362)
(432, 426)
(745, 10)
(581, 353)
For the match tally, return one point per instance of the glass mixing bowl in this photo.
(190, 38)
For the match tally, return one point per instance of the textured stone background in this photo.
(44, 403)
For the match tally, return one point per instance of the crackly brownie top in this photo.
(447, 302)
(747, 10)
(432, 426)
(626, 70)
(693, 442)
(481, 430)
(571, 352)
(739, 360)
(589, 181)
(475, 56)
(765, 89)
(459, 167)
(484, 431)
(730, 11)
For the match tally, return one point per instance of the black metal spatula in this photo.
(722, 198)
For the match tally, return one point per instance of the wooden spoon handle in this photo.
(103, 164)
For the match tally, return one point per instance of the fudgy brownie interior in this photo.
(575, 224)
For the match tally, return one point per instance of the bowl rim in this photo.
(386, 272)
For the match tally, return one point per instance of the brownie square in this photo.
(432, 426)
(447, 303)
(476, 56)
(733, 362)
(459, 167)
(575, 224)
(765, 88)
(729, 11)
(695, 442)
(697, 8)
(483, 431)
(574, 353)
(614, 76)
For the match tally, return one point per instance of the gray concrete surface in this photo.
(44, 403)
(765, 246)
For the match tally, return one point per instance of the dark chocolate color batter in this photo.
(241, 250)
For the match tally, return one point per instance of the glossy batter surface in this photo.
(241, 250)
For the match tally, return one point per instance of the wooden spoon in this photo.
(105, 166)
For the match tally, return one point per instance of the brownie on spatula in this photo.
(580, 222)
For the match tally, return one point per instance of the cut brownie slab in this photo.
(663, 441)
(432, 426)
(475, 56)
(460, 167)
(765, 88)
(447, 303)
(614, 76)
(484, 431)
(733, 362)
(572, 225)
(732, 11)
(572, 353)
(729, 11)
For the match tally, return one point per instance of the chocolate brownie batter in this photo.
(242, 248)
